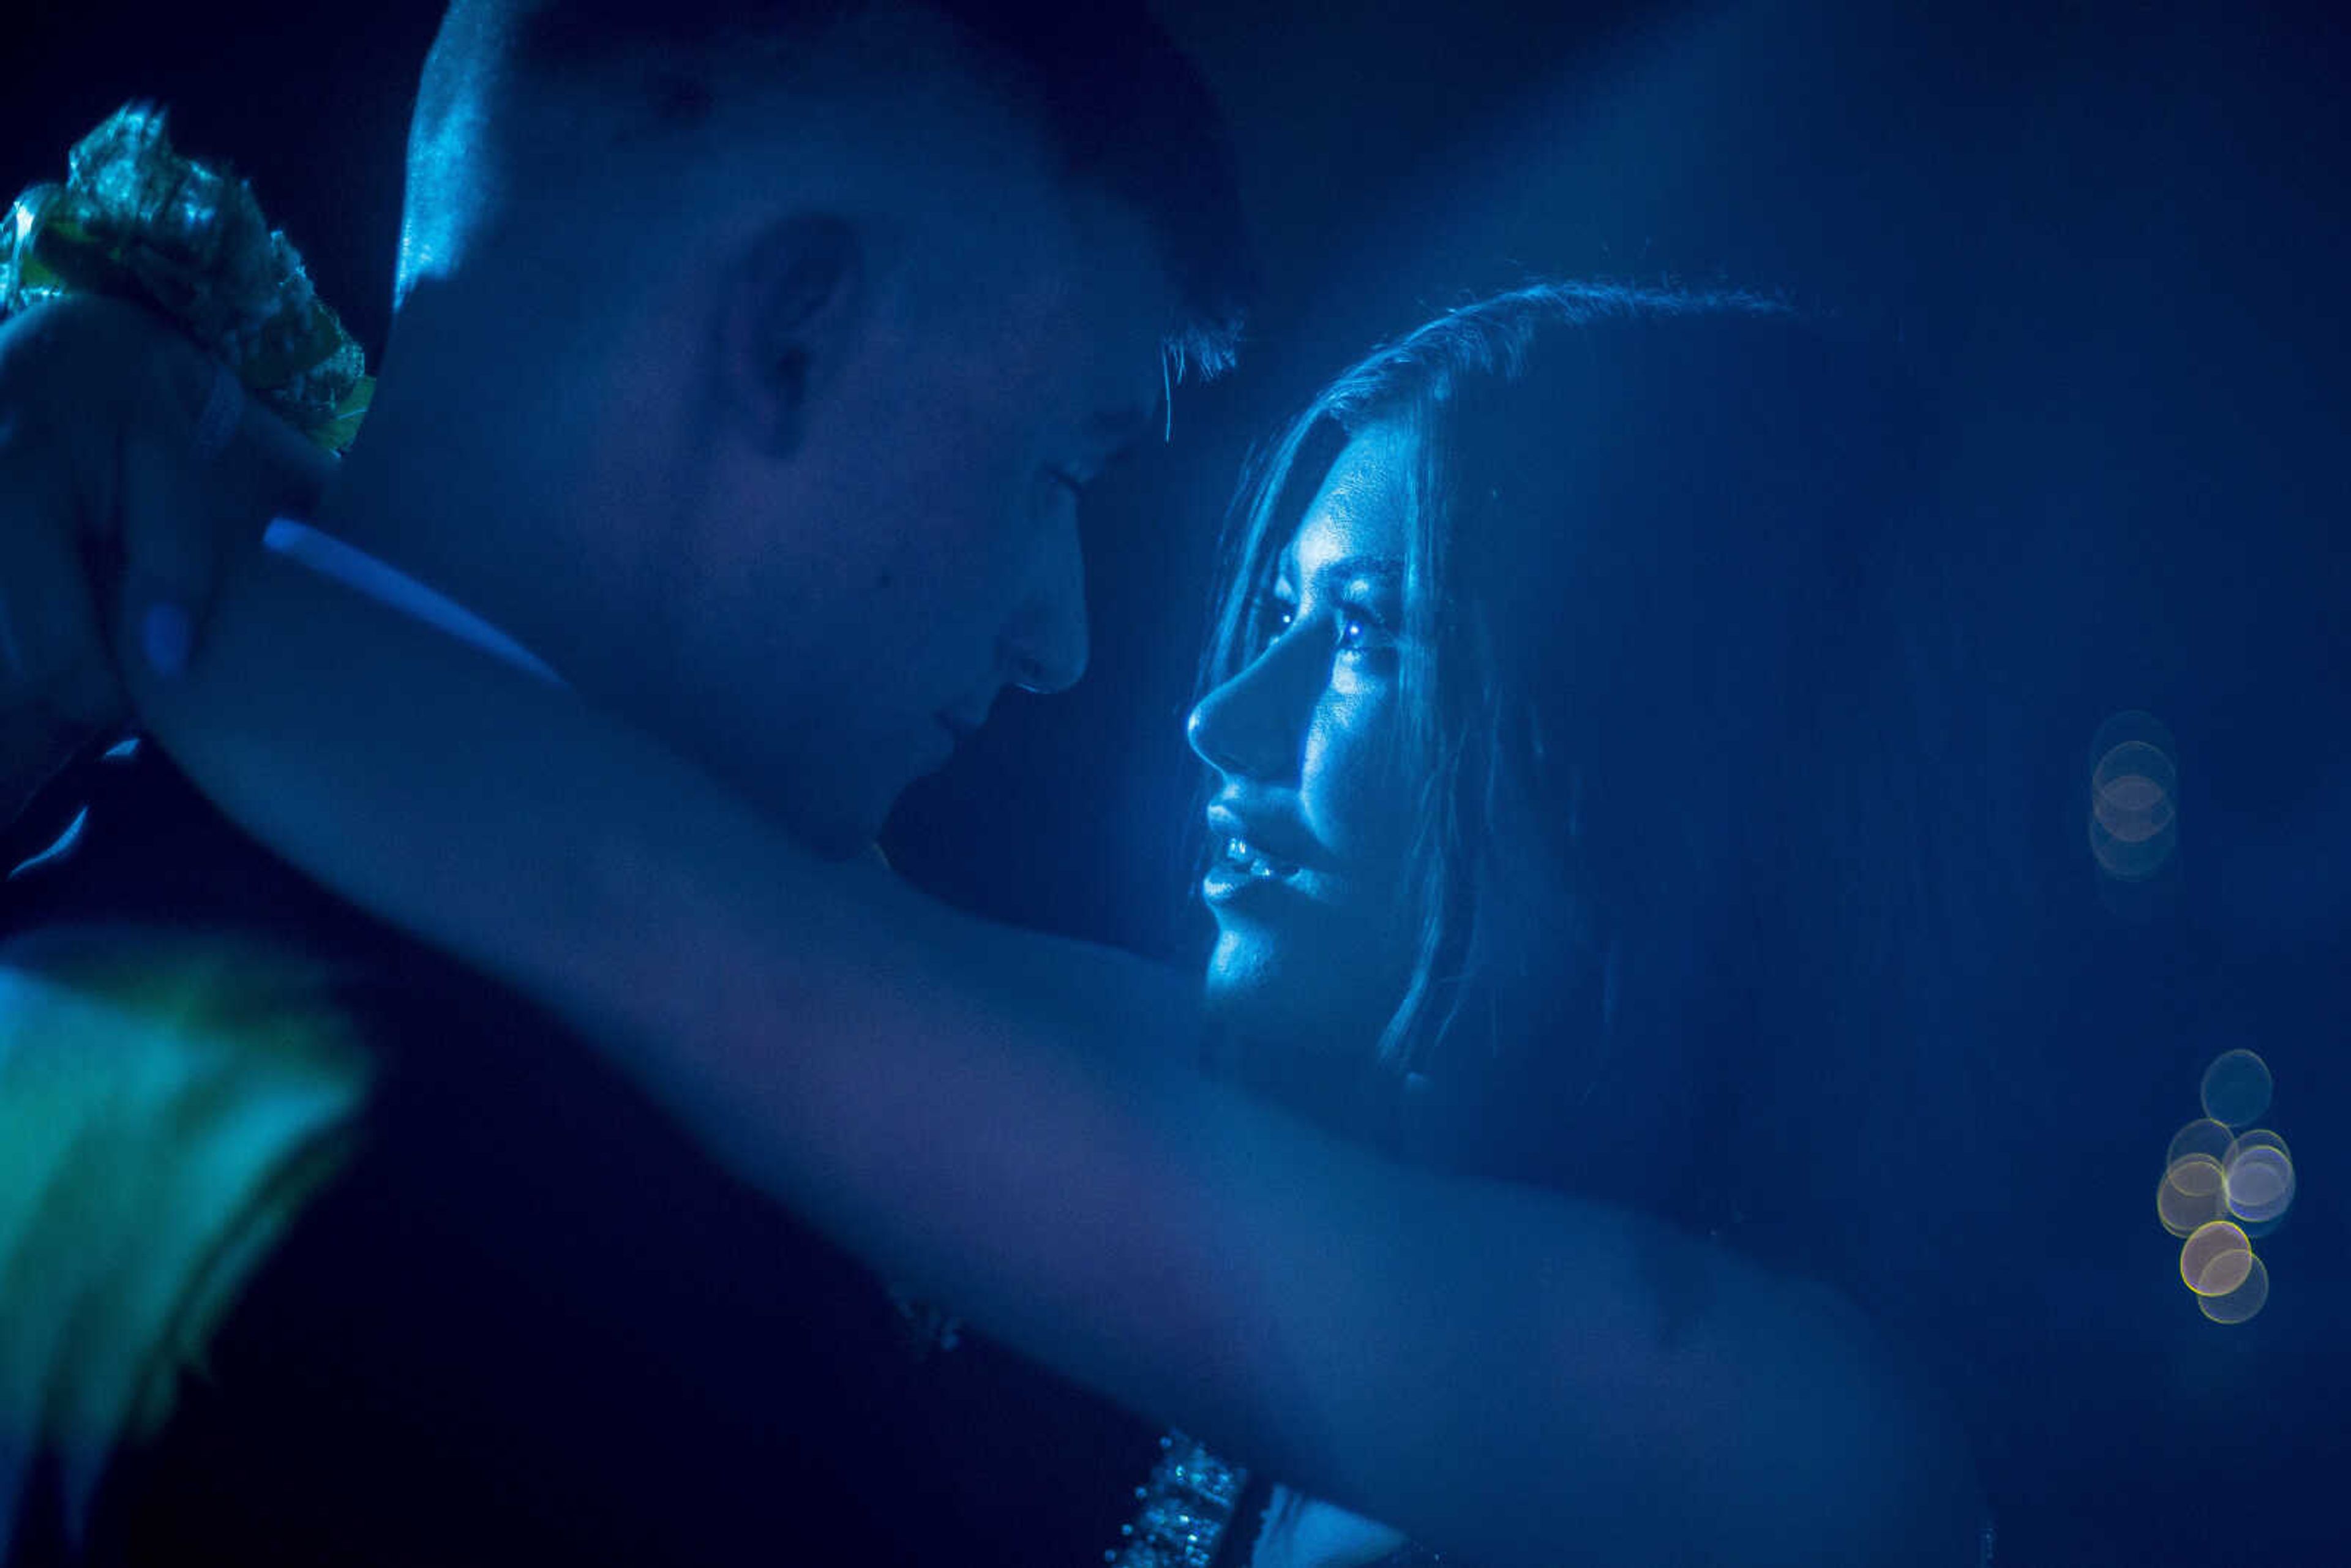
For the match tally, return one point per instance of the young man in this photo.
(747, 362)
(642, 1344)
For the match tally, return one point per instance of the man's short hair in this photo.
(1116, 102)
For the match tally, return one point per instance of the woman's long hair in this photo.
(1692, 827)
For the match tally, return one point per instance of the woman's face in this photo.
(1311, 822)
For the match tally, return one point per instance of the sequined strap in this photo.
(1185, 1509)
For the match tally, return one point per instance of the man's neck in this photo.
(422, 493)
(398, 496)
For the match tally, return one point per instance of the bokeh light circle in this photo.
(2131, 791)
(2202, 1136)
(2257, 1138)
(2198, 1176)
(2134, 797)
(2259, 1182)
(2127, 861)
(2237, 1088)
(2241, 1303)
(2193, 1192)
(2216, 1258)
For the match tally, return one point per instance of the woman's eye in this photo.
(1362, 631)
(1354, 631)
(1274, 617)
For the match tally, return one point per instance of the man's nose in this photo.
(1047, 645)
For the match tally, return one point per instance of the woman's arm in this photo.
(1007, 1120)
(1010, 1123)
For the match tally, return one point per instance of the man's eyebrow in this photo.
(1118, 428)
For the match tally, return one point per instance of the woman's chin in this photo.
(1274, 1004)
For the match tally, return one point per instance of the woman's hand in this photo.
(1305, 1533)
(128, 463)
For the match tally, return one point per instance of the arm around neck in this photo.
(1012, 1124)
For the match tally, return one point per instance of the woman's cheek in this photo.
(1357, 796)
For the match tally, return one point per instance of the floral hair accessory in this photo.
(136, 220)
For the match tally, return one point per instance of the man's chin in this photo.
(847, 837)
(835, 823)
(833, 830)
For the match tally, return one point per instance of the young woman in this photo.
(1552, 717)
(1478, 884)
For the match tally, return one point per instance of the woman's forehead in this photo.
(1359, 518)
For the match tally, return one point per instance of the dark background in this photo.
(2110, 236)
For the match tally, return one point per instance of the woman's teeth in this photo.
(1245, 857)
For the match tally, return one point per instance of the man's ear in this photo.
(794, 310)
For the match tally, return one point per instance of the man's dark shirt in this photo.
(530, 1322)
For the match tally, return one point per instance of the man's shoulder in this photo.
(122, 835)
(520, 1309)
(471, 1258)
(123, 843)
(170, 1100)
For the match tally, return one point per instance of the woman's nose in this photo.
(1246, 728)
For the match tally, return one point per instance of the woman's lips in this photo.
(1240, 867)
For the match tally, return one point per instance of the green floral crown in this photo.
(136, 221)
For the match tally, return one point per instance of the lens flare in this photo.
(2237, 1088)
